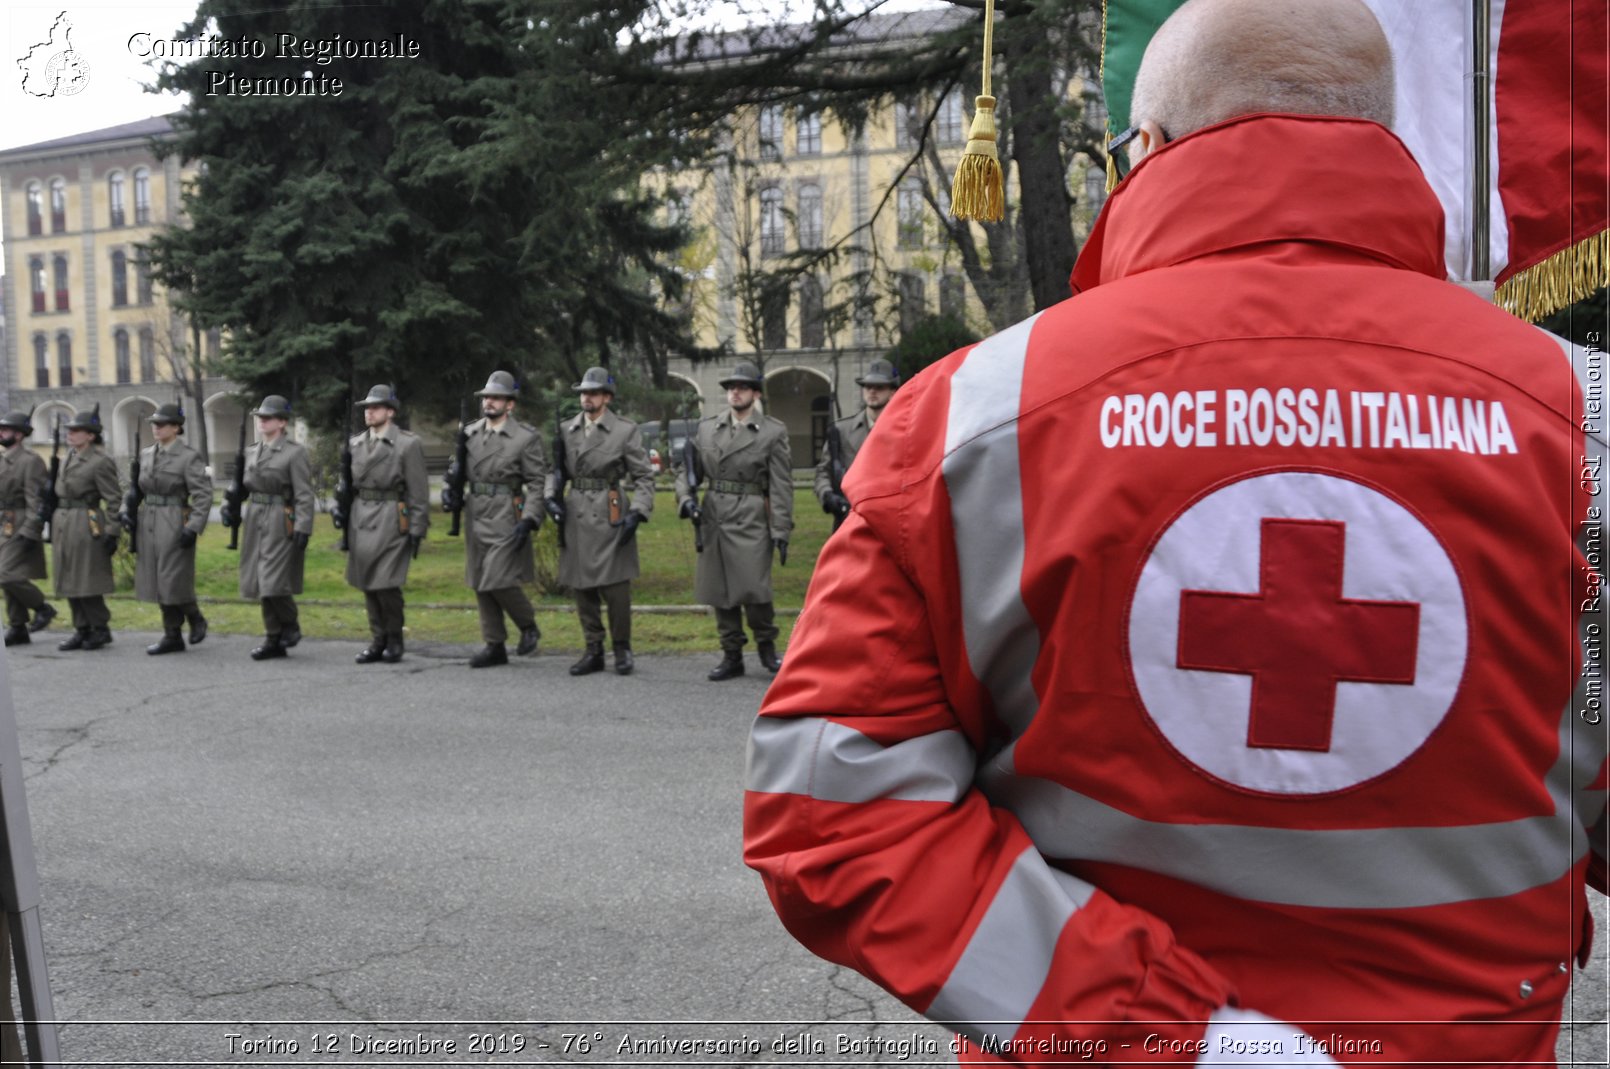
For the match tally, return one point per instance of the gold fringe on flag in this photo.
(976, 191)
(1563, 279)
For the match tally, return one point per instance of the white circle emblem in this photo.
(1297, 633)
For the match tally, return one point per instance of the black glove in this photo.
(416, 542)
(835, 503)
(187, 537)
(522, 532)
(227, 517)
(782, 549)
(452, 498)
(338, 517)
(300, 539)
(125, 521)
(109, 542)
(556, 510)
(629, 524)
(687, 509)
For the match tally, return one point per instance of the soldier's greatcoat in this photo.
(87, 484)
(739, 525)
(613, 451)
(391, 503)
(22, 482)
(852, 432)
(506, 476)
(176, 477)
(270, 563)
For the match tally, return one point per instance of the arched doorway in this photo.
(792, 395)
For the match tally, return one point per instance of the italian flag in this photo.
(1548, 186)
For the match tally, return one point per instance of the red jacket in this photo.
(1210, 639)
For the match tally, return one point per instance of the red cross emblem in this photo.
(1298, 637)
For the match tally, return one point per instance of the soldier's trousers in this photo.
(494, 603)
(279, 615)
(90, 612)
(174, 616)
(617, 597)
(762, 621)
(22, 599)
(385, 608)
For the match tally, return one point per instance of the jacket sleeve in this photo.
(824, 473)
(416, 487)
(107, 483)
(199, 483)
(879, 853)
(534, 476)
(639, 473)
(780, 480)
(300, 470)
(33, 491)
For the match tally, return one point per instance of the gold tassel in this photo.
(1563, 279)
(1112, 167)
(977, 190)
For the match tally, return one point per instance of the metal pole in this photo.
(1481, 134)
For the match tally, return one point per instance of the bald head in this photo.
(1216, 59)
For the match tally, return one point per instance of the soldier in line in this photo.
(747, 513)
(276, 527)
(877, 386)
(83, 534)
(605, 461)
(503, 508)
(22, 550)
(390, 512)
(178, 496)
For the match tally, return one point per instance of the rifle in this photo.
(458, 472)
(48, 499)
(235, 495)
(561, 475)
(693, 471)
(345, 488)
(835, 458)
(132, 499)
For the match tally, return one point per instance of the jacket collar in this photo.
(1346, 184)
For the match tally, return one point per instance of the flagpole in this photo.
(1481, 133)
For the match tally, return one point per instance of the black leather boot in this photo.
(768, 657)
(528, 641)
(198, 628)
(17, 635)
(493, 654)
(372, 653)
(731, 666)
(172, 642)
(291, 636)
(74, 641)
(42, 618)
(591, 661)
(623, 660)
(394, 649)
(98, 637)
(271, 649)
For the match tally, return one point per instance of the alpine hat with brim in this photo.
(18, 421)
(744, 374)
(86, 421)
(169, 413)
(879, 373)
(380, 395)
(596, 378)
(499, 384)
(274, 406)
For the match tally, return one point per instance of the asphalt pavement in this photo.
(307, 861)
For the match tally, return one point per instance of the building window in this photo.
(215, 340)
(58, 205)
(908, 124)
(41, 362)
(114, 197)
(120, 345)
(913, 301)
(59, 269)
(36, 280)
(948, 123)
(774, 319)
(771, 132)
(36, 209)
(812, 323)
(142, 276)
(909, 209)
(771, 221)
(120, 278)
(808, 133)
(142, 196)
(810, 216)
(64, 358)
(953, 296)
(148, 355)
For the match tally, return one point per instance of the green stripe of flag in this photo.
(1127, 28)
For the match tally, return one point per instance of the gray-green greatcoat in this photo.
(23, 476)
(509, 458)
(735, 567)
(80, 563)
(593, 555)
(852, 433)
(270, 563)
(392, 472)
(164, 568)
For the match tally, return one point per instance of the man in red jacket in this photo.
(1247, 732)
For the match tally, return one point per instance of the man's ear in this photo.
(1148, 139)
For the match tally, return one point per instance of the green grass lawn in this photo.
(442, 609)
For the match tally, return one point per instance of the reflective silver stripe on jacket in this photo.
(985, 484)
(821, 759)
(1000, 974)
